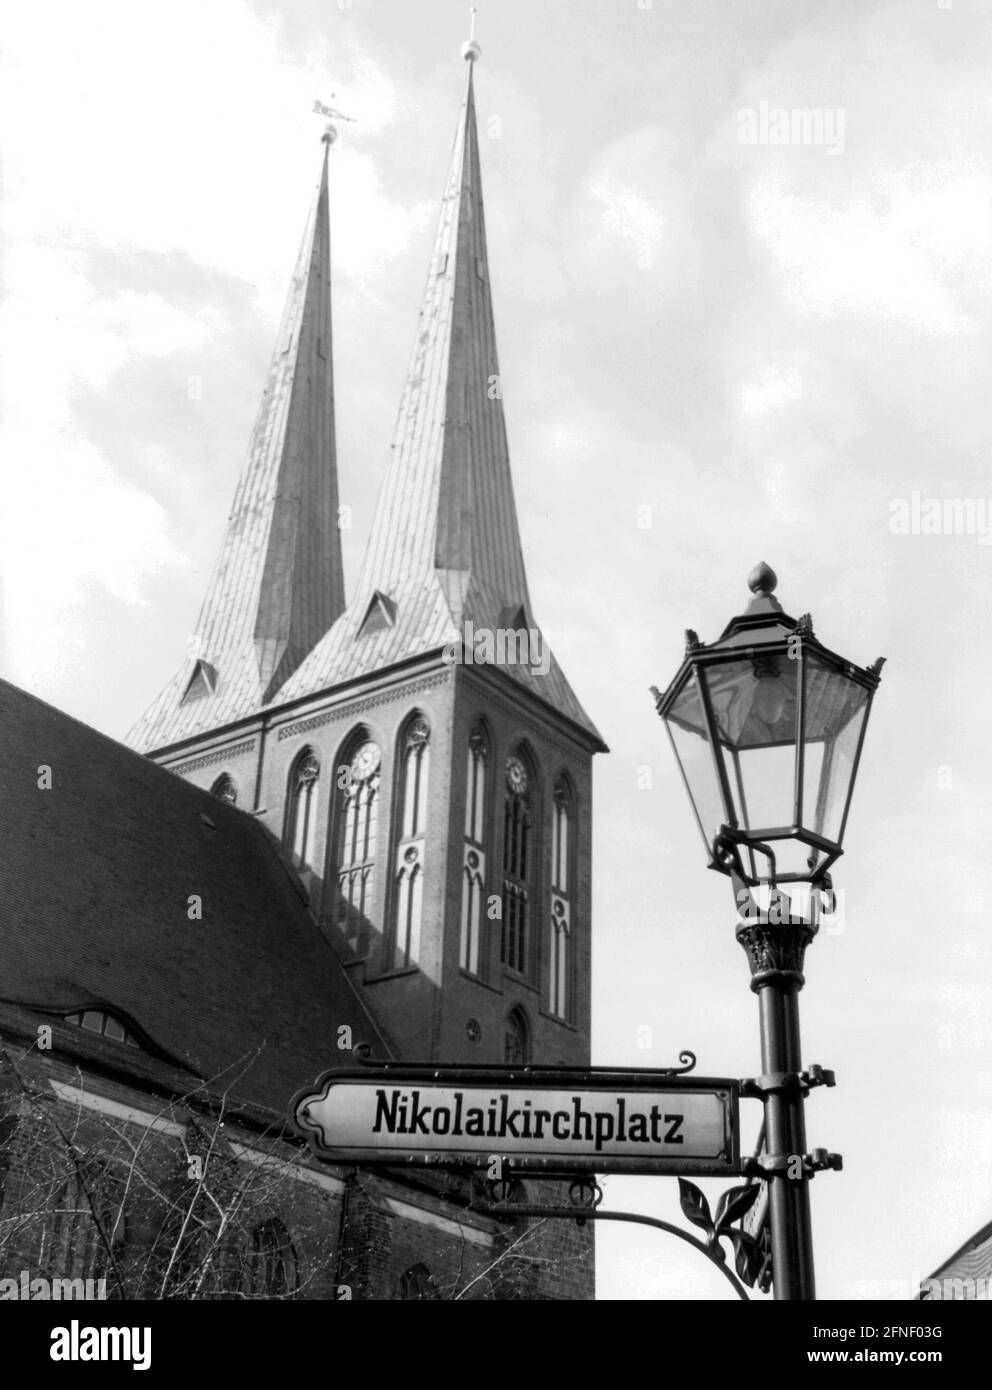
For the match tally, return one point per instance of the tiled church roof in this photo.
(97, 874)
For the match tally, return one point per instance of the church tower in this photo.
(418, 752)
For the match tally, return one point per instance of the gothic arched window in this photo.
(517, 857)
(516, 1040)
(353, 843)
(560, 943)
(474, 863)
(416, 1285)
(270, 1269)
(301, 811)
(413, 759)
(85, 1225)
(225, 790)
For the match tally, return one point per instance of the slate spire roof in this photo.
(447, 503)
(278, 583)
(444, 549)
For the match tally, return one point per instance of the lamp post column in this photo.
(775, 955)
(767, 725)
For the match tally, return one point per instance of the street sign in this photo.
(538, 1119)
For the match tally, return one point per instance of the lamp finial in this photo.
(762, 580)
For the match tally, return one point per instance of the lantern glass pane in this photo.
(754, 701)
(766, 777)
(687, 729)
(836, 707)
(754, 711)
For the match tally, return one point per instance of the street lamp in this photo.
(767, 726)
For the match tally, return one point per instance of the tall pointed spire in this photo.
(444, 550)
(301, 591)
(447, 502)
(278, 584)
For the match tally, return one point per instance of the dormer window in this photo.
(379, 616)
(98, 1021)
(202, 682)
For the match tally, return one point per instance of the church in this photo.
(348, 821)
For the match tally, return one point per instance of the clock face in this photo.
(365, 761)
(516, 776)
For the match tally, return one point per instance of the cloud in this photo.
(875, 266)
(368, 228)
(69, 522)
(771, 389)
(629, 225)
(72, 524)
(181, 152)
(896, 264)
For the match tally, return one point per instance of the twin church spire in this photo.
(444, 550)
(447, 504)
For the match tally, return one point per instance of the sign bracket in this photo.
(362, 1053)
(585, 1196)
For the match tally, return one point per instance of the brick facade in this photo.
(426, 1009)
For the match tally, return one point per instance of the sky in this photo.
(728, 333)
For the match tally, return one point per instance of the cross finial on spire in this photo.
(330, 130)
(471, 51)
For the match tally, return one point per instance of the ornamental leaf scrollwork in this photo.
(730, 1207)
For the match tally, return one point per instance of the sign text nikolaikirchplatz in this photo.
(548, 1120)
